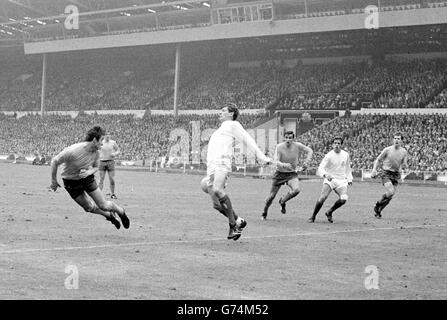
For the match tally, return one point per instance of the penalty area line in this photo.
(147, 243)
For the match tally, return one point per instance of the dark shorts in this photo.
(77, 187)
(390, 176)
(281, 178)
(107, 165)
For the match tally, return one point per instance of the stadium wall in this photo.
(342, 59)
(399, 111)
(307, 61)
(422, 55)
(136, 113)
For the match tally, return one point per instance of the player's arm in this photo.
(95, 167)
(309, 154)
(55, 163)
(244, 137)
(322, 168)
(286, 166)
(348, 171)
(378, 161)
(404, 165)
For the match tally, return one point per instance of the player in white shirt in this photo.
(220, 152)
(335, 169)
(107, 155)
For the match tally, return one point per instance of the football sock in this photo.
(384, 202)
(116, 208)
(289, 196)
(336, 205)
(112, 187)
(228, 208)
(96, 210)
(318, 206)
(268, 203)
(218, 207)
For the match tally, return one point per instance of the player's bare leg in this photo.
(102, 175)
(207, 187)
(112, 184)
(294, 186)
(89, 206)
(268, 202)
(386, 198)
(218, 190)
(325, 191)
(343, 197)
(105, 205)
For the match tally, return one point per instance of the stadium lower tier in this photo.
(185, 136)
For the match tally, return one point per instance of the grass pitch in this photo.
(176, 247)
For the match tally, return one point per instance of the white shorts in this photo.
(223, 166)
(208, 182)
(336, 183)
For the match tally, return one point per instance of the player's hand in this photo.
(54, 185)
(287, 166)
(84, 173)
(374, 174)
(328, 177)
(350, 183)
(268, 161)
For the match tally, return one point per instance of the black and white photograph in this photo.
(223, 155)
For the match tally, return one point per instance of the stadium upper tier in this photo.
(113, 86)
(101, 19)
(425, 136)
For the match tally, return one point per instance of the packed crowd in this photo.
(385, 84)
(424, 136)
(139, 138)
(403, 85)
(342, 7)
(440, 101)
(150, 137)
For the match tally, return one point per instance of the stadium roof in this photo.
(16, 16)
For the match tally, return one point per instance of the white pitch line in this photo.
(134, 244)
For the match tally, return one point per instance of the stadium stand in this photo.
(425, 136)
(145, 138)
(385, 84)
(366, 135)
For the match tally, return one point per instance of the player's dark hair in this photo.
(339, 139)
(398, 134)
(290, 132)
(95, 132)
(233, 109)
